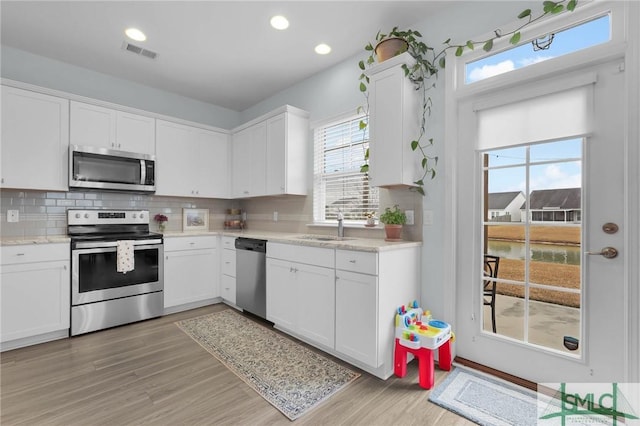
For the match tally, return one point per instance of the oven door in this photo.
(94, 276)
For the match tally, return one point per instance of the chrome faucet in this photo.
(340, 225)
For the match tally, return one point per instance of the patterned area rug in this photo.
(291, 377)
(486, 401)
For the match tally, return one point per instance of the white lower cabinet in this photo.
(301, 291)
(190, 272)
(343, 301)
(34, 294)
(357, 315)
(228, 280)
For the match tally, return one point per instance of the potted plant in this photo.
(427, 64)
(393, 220)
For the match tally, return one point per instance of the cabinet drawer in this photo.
(357, 261)
(229, 262)
(12, 255)
(228, 289)
(190, 243)
(229, 243)
(302, 254)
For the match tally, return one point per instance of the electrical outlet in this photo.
(275, 216)
(410, 218)
(13, 216)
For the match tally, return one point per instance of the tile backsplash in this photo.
(43, 213)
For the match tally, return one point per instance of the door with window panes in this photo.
(541, 189)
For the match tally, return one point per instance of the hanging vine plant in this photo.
(424, 72)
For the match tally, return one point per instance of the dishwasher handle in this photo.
(251, 244)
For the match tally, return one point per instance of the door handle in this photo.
(607, 252)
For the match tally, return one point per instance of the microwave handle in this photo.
(143, 172)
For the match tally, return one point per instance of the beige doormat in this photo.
(291, 377)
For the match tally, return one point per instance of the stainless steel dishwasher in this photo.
(251, 278)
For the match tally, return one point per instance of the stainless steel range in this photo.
(102, 297)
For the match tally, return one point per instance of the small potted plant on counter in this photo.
(393, 220)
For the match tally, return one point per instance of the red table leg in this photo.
(400, 360)
(444, 356)
(425, 367)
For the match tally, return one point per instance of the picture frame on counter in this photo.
(195, 219)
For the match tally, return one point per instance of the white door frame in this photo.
(629, 48)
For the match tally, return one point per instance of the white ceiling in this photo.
(221, 52)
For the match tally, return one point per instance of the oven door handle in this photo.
(102, 244)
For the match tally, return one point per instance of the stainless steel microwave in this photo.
(107, 169)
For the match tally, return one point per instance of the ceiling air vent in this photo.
(139, 50)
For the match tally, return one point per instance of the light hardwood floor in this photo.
(153, 373)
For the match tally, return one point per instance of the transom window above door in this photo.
(549, 46)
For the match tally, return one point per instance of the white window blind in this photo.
(563, 114)
(339, 186)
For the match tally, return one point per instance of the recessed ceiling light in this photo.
(135, 34)
(279, 22)
(323, 49)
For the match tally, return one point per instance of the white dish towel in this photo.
(124, 256)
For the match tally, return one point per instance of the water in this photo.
(568, 255)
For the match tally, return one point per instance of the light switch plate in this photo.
(427, 218)
(13, 215)
(275, 216)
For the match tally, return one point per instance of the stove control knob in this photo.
(141, 216)
(77, 215)
(86, 215)
(134, 216)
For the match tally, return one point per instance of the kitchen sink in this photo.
(324, 238)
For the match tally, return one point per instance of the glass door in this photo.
(543, 201)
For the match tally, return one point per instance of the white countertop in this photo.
(348, 243)
(52, 239)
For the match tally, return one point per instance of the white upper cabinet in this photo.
(191, 162)
(249, 161)
(35, 140)
(287, 140)
(94, 125)
(270, 155)
(393, 123)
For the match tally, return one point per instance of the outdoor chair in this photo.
(491, 264)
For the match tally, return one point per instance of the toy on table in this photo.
(417, 333)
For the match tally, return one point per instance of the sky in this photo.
(565, 172)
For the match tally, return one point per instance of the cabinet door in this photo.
(93, 125)
(357, 316)
(258, 166)
(175, 173)
(189, 276)
(135, 133)
(34, 299)
(35, 140)
(213, 164)
(249, 161)
(241, 172)
(315, 288)
(276, 155)
(393, 124)
(281, 294)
